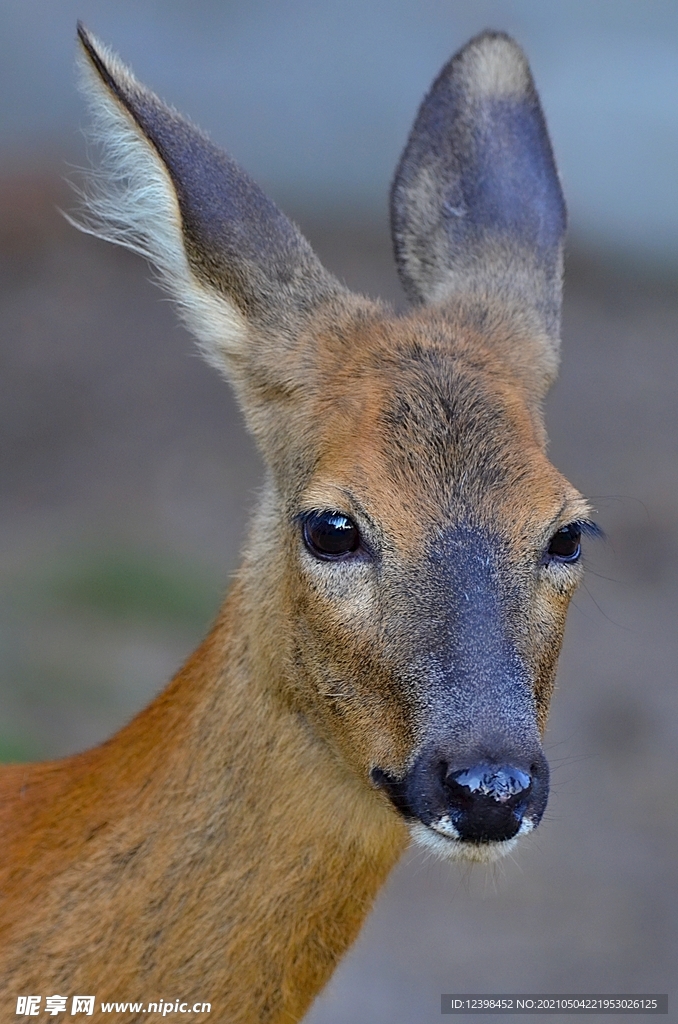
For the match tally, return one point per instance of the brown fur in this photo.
(228, 843)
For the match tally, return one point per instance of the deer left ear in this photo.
(476, 204)
(245, 279)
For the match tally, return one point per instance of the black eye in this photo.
(565, 545)
(330, 534)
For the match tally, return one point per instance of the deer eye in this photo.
(565, 544)
(330, 534)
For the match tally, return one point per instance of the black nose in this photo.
(487, 802)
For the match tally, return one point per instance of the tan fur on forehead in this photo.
(364, 341)
(384, 355)
(427, 411)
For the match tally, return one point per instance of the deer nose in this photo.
(487, 802)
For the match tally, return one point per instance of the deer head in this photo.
(414, 552)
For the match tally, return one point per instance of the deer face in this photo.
(419, 549)
(427, 564)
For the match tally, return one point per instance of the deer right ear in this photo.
(476, 204)
(244, 277)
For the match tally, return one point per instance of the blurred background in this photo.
(126, 476)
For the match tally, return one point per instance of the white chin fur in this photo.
(442, 839)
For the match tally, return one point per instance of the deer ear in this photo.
(476, 205)
(238, 268)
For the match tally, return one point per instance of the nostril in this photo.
(461, 797)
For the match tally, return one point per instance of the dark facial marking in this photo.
(479, 762)
(444, 426)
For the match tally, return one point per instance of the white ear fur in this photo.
(129, 199)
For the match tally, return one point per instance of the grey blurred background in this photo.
(126, 477)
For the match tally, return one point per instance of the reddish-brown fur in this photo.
(228, 843)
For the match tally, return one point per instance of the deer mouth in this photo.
(442, 838)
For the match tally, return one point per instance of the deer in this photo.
(382, 668)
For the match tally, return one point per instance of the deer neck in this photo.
(216, 826)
